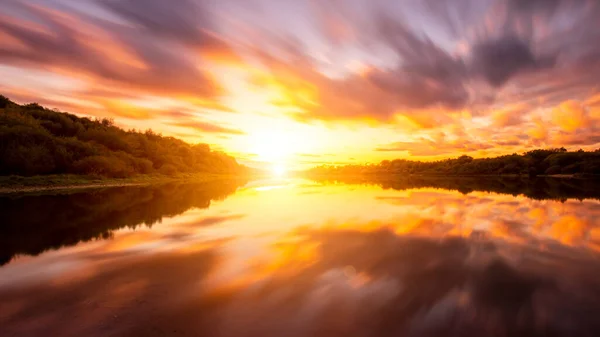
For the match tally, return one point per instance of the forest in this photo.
(531, 163)
(38, 141)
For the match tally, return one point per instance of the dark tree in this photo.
(36, 141)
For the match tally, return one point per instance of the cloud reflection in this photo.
(421, 262)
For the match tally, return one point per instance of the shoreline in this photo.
(54, 183)
(24, 185)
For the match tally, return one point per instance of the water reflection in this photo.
(299, 258)
(539, 188)
(34, 224)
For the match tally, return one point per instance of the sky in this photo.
(299, 83)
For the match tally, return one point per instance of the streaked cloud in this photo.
(490, 75)
(205, 127)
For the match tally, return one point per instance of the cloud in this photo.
(516, 45)
(182, 21)
(310, 155)
(109, 53)
(589, 137)
(570, 116)
(509, 116)
(426, 75)
(539, 132)
(570, 123)
(430, 65)
(429, 147)
(499, 60)
(205, 127)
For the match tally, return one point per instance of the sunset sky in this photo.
(306, 82)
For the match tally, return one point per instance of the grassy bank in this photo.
(19, 184)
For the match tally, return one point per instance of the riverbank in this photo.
(19, 184)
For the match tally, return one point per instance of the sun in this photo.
(278, 170)
(276, 148)
(272, 146)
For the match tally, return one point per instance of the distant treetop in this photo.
(534, 162)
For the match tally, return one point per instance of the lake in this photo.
(294, 257)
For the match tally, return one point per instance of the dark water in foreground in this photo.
(302, 258)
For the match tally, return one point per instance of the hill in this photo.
(39, 141)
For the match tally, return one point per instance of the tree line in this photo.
(39, 141)
(531, 163)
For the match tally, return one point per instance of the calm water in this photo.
(304, 258)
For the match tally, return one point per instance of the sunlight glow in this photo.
(269, 188)
(273, 146)
(278, 170)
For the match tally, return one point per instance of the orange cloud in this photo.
(123, 109)
(510, 116)
(539, 132)
(428, 147)
(333, 62)
(570, 116)
(205, 127)
(95, 50)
